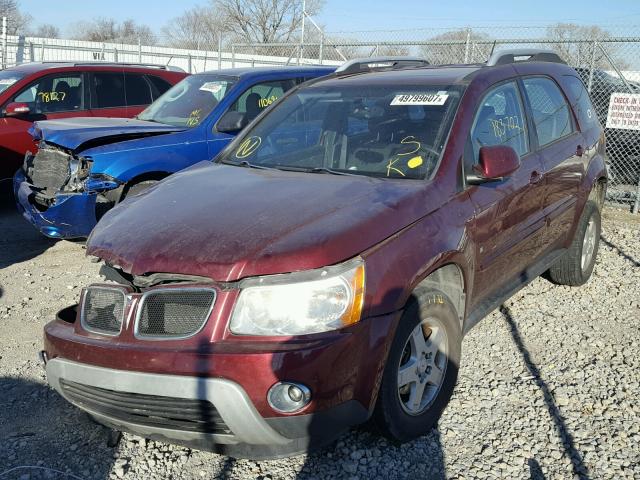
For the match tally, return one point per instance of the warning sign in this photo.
(624, 111)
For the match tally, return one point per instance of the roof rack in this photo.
(127, 64)
(515, 55)
(370, 63)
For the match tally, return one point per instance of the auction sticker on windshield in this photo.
(438, 98)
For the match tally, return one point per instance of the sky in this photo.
(356, 15)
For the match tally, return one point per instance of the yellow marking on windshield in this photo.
(248, 146)
(47, 97)
(414, 162)
(391, 167)
(194, 118)
(408, 141)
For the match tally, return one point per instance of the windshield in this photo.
(387, 131)
(8, 78)
(188, 103)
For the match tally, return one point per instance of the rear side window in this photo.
(551, 114)
(53, 94)
(160, 85)
(137, 88)
(581, 102)
(109, 90)
(500, 121)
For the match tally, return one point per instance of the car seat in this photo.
(252, 106)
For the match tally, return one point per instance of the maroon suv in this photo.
(41, 91)
(323, 269)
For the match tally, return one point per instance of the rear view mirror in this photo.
(232, 122)
(16, 109)
(494, 163)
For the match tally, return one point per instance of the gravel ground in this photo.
(548, 387)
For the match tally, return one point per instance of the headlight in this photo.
(79, 167)
(300, 303)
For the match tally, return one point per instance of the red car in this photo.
(41, 91)
(323, 270)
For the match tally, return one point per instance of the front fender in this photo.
(125, 165)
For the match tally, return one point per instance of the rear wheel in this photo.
(421, 369)
(576, 265)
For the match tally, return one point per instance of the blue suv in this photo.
(84, 166)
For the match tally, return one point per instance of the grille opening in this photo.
(174, 312)
(103, 310)
(150, 410)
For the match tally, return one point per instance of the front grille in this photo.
(149, 410)
(176, 312)
(50, 169)
(103, 309)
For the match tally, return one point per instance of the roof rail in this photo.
(107, 63)
(515, 55)
(370, 63)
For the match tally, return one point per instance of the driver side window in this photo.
(500, 121)
(53, 94)
(260, 96)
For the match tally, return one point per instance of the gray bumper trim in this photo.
(228, 397)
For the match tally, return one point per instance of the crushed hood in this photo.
(227, 222)
(78, 133)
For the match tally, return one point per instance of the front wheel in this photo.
(421, 369)
(576, 265)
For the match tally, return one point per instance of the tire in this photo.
(395, 415)
(574, 268)
(137, 188)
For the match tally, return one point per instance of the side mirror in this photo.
(17, 109)
(495, 163)
(232, 122)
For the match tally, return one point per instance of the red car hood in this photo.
(227, 222)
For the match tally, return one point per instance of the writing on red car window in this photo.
(47, 97)
(505, 124)
(248, 146)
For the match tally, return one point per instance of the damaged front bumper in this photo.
(67, 215)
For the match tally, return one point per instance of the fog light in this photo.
(288, 397)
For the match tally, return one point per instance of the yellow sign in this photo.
(248, 146)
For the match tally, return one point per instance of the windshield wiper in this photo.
(331, 171)
(246, 164)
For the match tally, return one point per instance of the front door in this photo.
(509, 223)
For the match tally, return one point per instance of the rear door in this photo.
(49, 97)
(560, 147)
(107, 92)
(509, 221)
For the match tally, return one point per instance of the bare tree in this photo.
(17, 22)
(197, 28)
(264, 21)
(456, 46)
(46, 30)
(109, 30)
(575, 44)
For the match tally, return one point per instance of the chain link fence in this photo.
(608, 60)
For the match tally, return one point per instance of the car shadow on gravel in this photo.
(620, 251)
(579, 468)
(19, 240)
(44, 437)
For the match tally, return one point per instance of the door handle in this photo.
(579, 151)
(535, 177)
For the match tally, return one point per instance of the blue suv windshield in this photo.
(189, 102)
(383, 131)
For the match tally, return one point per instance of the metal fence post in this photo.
(219, 51)
(31, 52)
(42, 51)
(233, 56)
(466, 46)
(321, 53)
(592, 66)
(139, 50)
(189, 62)
(115, 54)
(4, 42)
